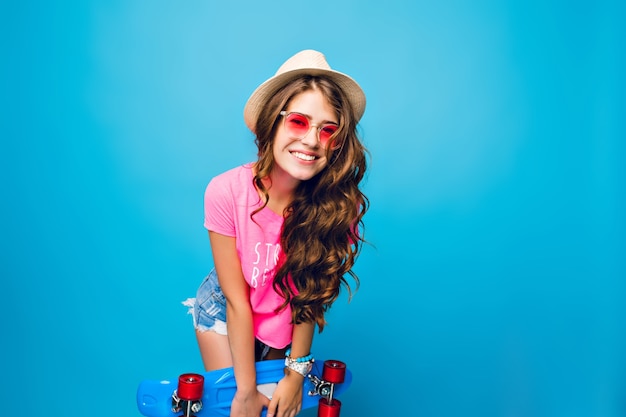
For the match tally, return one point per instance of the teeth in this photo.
(300, 155)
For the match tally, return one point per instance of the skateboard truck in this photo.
(334, 373)
(188, 397)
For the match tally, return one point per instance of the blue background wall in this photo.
(495, 284)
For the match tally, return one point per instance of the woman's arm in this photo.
(287, 399)
(302, 339)
(248, 401)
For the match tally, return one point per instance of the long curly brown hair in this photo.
(322, 233)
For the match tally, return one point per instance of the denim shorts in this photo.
(209, 311)
(209, 306)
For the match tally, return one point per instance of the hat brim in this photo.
(265, 91)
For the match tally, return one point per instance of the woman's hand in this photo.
(248, 404)
(287, 398)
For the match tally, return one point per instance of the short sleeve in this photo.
(219, 210)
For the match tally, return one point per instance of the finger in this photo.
(271, 408)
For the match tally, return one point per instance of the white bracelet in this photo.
(303, 368)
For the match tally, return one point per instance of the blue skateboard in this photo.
(210, 394)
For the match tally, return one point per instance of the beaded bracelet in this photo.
(306, 358)
(302, 365)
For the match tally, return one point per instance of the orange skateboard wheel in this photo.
(334, 371)
(190, 387)
(328, 409)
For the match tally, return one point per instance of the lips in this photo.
(304, 156)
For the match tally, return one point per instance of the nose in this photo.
(310, 139)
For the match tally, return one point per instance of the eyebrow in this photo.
(308, 116)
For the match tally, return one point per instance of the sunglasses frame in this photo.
(285, 114)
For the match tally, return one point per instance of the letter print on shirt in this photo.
(264, 266)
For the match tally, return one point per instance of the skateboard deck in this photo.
(157, 398)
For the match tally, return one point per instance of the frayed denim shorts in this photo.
(209, 311)
(209, 307)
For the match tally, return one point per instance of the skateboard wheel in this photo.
(190, 387)
(334, 372)
(326, 409)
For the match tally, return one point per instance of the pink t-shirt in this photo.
(228, 201)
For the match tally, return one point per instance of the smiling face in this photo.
(301, 158)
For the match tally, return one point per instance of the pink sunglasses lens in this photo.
(327, 132)
(297, 124)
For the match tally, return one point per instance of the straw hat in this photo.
(304, 62)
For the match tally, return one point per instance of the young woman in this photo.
(284, 230)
